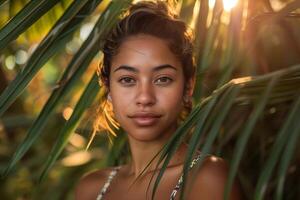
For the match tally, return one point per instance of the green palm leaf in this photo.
(79, 64)
(2, 2)
(287, 133)
(24, 19)
(84, 102)
(215, 121)
(54, 41)
(262, 97)
(259, 107)
(204, 56)
(288, 152)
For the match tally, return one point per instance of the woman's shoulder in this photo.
(95, 175)
(212, 169)
(211, 178)
(91, 183)
(213, 166)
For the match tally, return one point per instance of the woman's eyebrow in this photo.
(166, 66)
(127, 68)
(133, 69)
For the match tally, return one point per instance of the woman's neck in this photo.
(143, 152)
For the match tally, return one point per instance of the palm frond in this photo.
(74, 71)
(204, 56)
(265, 88)
(84, 102)
(287, 133)
(2, 2)
(249, 126)
(24, 19)
(52, 43)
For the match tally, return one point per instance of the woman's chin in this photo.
(149, 134)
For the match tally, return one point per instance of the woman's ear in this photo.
(188, 92)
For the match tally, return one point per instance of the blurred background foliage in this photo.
(233, 38)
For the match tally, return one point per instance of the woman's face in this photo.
(146, 87)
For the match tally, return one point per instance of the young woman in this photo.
(148, 71)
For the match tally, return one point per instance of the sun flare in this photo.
(211, 3)
(228, 4)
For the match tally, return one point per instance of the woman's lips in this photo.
(145, 119)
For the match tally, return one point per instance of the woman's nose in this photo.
(146, 95)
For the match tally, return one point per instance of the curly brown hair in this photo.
(155, 19)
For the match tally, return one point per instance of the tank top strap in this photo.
(116, 169)
(107, 183)
(179, 183)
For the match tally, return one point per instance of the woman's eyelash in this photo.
(165, 79)
(160, 80)
(126, 80)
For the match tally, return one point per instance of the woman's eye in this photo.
(164, 80)
(127, 81)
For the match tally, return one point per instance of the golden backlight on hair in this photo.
(105, 121)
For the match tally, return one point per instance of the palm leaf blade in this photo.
(85, 100)
(54, 41)
(24, 19)
(288, 152)
(79, 64)
(259, 107)
(275, 152)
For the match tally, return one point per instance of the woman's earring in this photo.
(109, 98)
(186, 99)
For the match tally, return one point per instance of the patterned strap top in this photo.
(115, 171)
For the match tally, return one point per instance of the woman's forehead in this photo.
(145, 50)
(145, 45)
